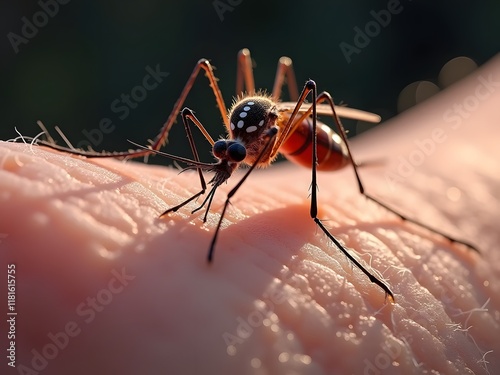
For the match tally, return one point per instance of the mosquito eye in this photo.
(237, 152)
(219, 148)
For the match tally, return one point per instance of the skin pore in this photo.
(105, 286)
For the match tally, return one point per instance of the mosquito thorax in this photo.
(249, 119)
(251, 115)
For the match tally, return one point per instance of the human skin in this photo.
(279, 297)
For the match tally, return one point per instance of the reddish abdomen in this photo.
(332, 152)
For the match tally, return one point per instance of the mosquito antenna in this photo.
(194, 163)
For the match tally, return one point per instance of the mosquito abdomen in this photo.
(331, 150)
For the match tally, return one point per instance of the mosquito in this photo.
(260, 127)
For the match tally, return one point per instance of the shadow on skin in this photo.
(138, 296)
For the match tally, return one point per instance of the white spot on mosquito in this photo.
(232, 126)
(243, 114)
(251, 129)
(261, 122)
(250, 103)
(247, 108)
(240, 124)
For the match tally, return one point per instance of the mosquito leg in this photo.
(187, 115)
(244, 77)
(162, 136)
(180, 205)
(285, 70)
(373, 279)
(311, 88)
(244, 74)
(207, 67)
(208, 198)
(325, 96)
(272, 136)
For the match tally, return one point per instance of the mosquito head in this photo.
(249, 119)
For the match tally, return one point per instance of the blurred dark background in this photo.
(67, 62)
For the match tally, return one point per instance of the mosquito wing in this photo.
(342, 111)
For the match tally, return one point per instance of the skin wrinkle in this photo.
(442, 320)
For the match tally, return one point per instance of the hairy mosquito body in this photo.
(259, 127)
